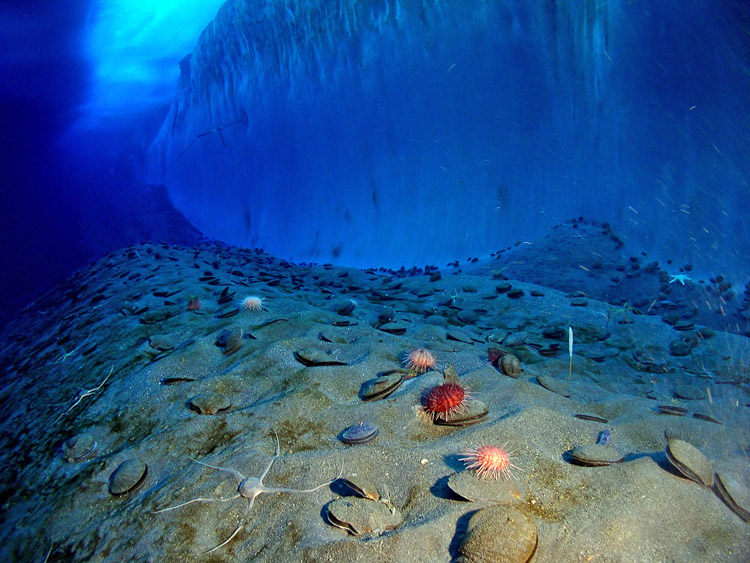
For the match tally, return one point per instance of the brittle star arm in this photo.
(226, 541)
(234, 472)
(270, 463)
(196, 500)
(292, 491)
(83, 393)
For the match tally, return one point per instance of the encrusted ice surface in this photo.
(388, 133)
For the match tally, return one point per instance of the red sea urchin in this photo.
(444, 401)
(490, 462)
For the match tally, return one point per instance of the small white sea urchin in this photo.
(252, 303)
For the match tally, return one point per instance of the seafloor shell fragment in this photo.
(511, 365)
(474, 411)
(361, 516)
(128, 476)
(210, 403)
(382, 386)
(360, 433)
(468, 485)
(690, 461)
(79, 448)
(595, 455)
(499, 533)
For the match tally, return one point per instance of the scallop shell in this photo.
(79, 448)
(314, 357)
(162, 342)
(511, 365)
(360, 433)
(499, 533)
(128, 476)
(721, 491)
(361, 516)
(468, 485)
(553, 384)
(690, 462)
(210, 403)
(363, 487)
(233, 341)
(381, 387)
(596, 455)
(475, 411)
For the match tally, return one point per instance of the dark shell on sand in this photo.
(690, 462)
(128, 476)
(360, 433)
(210, 403)
(499, 533)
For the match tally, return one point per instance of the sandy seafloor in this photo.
(123, 325)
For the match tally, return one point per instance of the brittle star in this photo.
(65, 355)
(249, 488)
(84, 393)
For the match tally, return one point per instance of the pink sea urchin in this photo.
(490, 462)
(420, 360)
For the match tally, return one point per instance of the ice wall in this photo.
(131, 47)
(384, 132)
